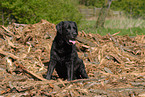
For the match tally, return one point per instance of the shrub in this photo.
(32, 11)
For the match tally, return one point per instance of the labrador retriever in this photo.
(63, 56)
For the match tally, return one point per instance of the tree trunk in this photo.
(103, 13)
(2, 16)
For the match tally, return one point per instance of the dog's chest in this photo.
(64, 53)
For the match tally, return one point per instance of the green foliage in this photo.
(96, 3)
(134, 8)
(32, 11)
(88, 2)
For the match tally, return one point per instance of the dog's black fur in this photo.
(64, 57)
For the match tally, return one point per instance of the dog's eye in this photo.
(69, 27)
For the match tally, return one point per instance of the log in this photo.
(20, 65)
(30, 72)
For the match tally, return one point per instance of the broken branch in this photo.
(20, 65)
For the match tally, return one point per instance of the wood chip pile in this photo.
(115, 64)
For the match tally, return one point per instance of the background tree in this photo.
(103, 13)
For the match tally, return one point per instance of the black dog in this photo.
(64, 57)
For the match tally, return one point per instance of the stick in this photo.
(86, 41)
(30, 72)
(9, 32)
(83, 80)
(8, 54)
(116, 33)
(76, 81)
(84, 33)
(16, 24)
(117, 44)
(20, 65)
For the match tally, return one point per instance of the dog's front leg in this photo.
(70, 70)
(82, 69)
(50, 69)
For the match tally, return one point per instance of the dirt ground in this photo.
(115, 64)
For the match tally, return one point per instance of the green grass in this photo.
(126, 26)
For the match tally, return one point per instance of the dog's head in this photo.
(68, 30)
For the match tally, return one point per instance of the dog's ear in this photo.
(59, 27)
(76, 27)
